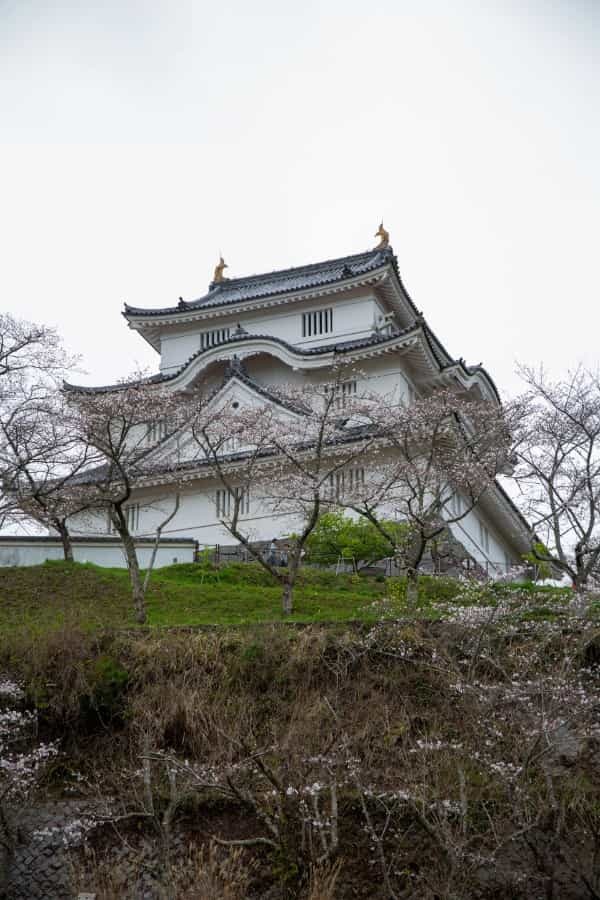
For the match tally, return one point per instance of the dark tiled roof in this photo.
(239, 290)
(119, 385)
(341, 346)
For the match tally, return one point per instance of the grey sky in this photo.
(140, 138)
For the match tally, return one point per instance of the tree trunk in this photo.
(288, 589)
(159, 532)
(415, 555)
(65, 538)
(137, 587)
(412, 587)
(290, 581)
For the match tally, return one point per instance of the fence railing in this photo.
(277, 555)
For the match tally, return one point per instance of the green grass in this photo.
(42, 599)
(57, 594)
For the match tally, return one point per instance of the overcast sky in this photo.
(141, 138)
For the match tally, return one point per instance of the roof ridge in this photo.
(218, 294)
(292, 270)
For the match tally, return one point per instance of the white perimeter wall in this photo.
(32, 553)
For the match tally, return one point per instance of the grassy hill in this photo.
(86, 596)
(447, 751)
(55, 595)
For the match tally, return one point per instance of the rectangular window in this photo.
(231, 444)
(214, 337)
(318, 322)
(224, 501)
(343, 392)
(344, 483)
(132, 517)
(484, 537)
(456, 505)
(156, 431)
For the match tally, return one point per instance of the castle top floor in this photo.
(331, 302)
(353, 310)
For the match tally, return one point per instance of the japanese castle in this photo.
(249, 334)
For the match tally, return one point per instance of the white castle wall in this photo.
(499, 557)
(352, 318)
(197, 519)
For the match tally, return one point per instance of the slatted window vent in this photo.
(214, 337)
(156, 431)
(343, 392)
(318, 322)
(484, 537)
(345, 483)
(225, 501)
(132, 517)
(231, 444)
(456, 505)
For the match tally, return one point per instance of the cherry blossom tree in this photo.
(437, 457)
(290, 454)
(115, 426)
(41, 457)
(27, 348)
(558, 470)
(33, 362)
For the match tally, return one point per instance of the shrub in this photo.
(337, 535)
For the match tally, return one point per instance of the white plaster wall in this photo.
(32, 554)
(352, 318)
(176, 348)
(499, 555)
(197, 518)
(382, 375)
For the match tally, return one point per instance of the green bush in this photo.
(337, 535)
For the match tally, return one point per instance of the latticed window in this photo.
(214, 337)
(132, 517)
(343, 392)
(484, 537)
(156, 431)
(345, 483)
(456, 505)
(231, 444)
(225, 500)
(318, 322)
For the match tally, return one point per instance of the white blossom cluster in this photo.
(72, 834)
(20, 771)
(9, 689)
(429, 745)
(22, 756)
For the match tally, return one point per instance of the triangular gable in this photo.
(237, 388)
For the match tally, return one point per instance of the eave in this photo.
(150, 326)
